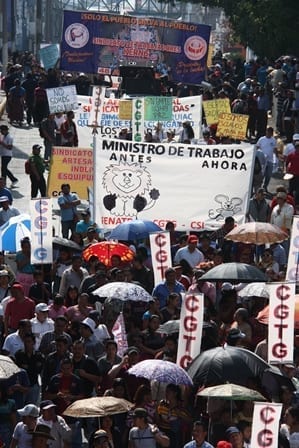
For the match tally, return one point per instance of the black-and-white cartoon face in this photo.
(126, 180)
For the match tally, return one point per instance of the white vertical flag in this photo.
(281, 323)
(41, 231)
(119, 333)
(161, 255)
(191, 322)
(265, 425)
(293, 260)
(138, 120)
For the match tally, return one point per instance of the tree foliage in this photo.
(268, 27)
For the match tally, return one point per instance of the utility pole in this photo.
(38, 26)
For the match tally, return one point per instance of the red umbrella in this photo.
(106, 249)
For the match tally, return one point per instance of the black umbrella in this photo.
(64, 242)
(221, 364)
(234, 272)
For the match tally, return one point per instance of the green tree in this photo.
(268, 27)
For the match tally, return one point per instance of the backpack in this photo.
(27, 167)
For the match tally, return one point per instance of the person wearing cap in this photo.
(290, 147)
(235, 437)
(190, 253)
(168, 286)
(6, 145)
(60, 430)
(37, 169)
(282, 213)
(85, 223)
(99, 439)
(41, 323)
(6, 210)
(91, 237)
(68, 203)
(21, 438)
(18, 307)
(292, 167)
(15, 341)
(144, 434)
(199, 434)
(93, 347)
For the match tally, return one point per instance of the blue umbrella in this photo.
(13, 231)
(134, 230)
(161, 371)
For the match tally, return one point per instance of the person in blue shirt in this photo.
(4, 191)
(68, 210)
(199, 434)
(169, 285)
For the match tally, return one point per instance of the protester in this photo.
(6, 148)
(68, 203)
(37, 169)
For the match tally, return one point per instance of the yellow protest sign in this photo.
(232, 125)
(125, 110)
(213, 108)
(72, 166)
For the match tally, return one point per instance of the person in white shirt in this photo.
(282, 213)
(41, 323)
(190, 253)
(22, 438)
(7, 211)
(267, 144)
(15, 341)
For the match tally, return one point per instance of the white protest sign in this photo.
(293, 260)
(120, 336)
(265, 425)
(281, 323)
(191, 321)
(41, 231)
(194, 186)
(62, 99)
(161, 255)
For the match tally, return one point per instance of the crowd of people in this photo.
(60, 334)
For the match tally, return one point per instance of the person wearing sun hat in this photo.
(99, 439)
(41, 436)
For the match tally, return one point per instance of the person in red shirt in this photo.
(18, 307)
(292, 164)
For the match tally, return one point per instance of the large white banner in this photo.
(191, 321)
(293, 260)
(196, 187)
(161, 254)
(187, 108)
(281, 323)
(62, 99)
(41, 231)
(265, 425)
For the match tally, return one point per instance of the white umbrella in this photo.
(123, 291)
(7, 367)
(255, 290)
(13, 231)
